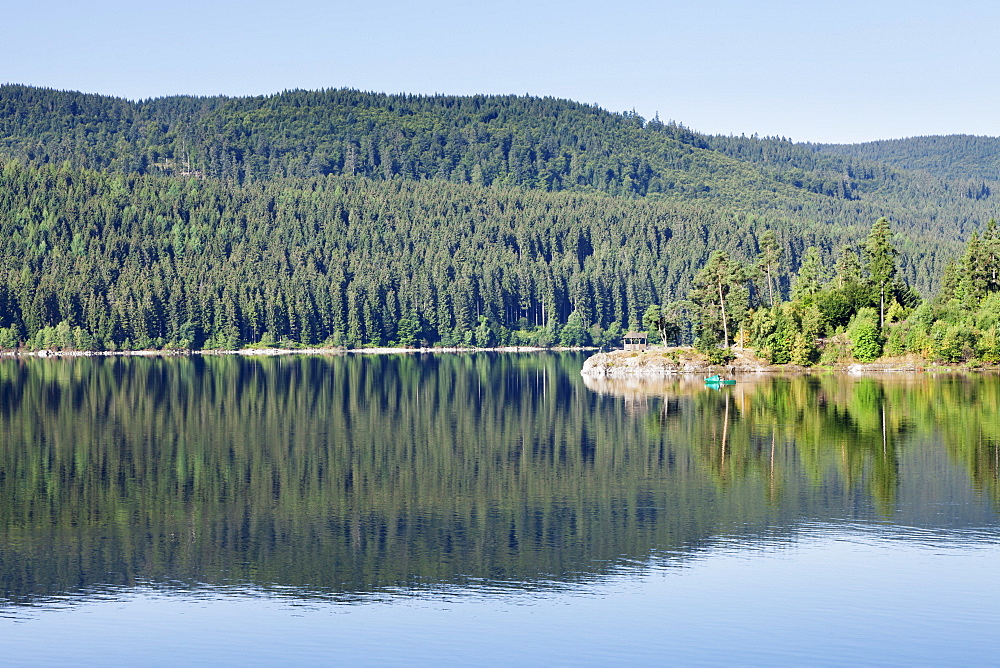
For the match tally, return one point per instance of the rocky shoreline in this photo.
(678, 361)
(668, 361)
(656, 361)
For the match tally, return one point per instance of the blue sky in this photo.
(838, 72)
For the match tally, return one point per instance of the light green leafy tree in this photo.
(863, 331)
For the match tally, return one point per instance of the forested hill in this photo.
(949, 157)
(538, 143)
(503, 141)
(349, 217)
(528, 142)
(142, 261)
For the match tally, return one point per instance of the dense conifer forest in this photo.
(952, 157)
(348, 218)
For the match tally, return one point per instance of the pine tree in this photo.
(972, 280)
(881, 255)
(767, 261)
(848, 268)
(713, 284)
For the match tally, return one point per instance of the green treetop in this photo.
(848, 268)
(881, 254)
(807, 281)
(720, 275)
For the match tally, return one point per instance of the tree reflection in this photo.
(844, 432)
(347, 474)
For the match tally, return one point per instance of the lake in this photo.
(491, 509)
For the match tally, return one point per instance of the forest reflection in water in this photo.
(345, 476)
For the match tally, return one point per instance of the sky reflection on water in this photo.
(836, 595)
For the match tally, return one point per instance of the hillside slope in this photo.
(957, 157)
(353, 217)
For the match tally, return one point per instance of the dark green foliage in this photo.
(717, 355)
(961, 323)
(346, 218)
(573, 332)
(541, 143)
(674, 322)
(716, 281)
(975, 160)
(767, 262)
(881, 254)
(840, 304)
(807, 281)
(146, 261)
(503, 141)
(817, 315)
(848, 268)
(655, 320)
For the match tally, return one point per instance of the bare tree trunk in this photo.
(722, 305)
(770, 285)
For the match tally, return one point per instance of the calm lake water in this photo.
(491, 509)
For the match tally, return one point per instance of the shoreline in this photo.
(675, 362)
(655, 362)
(273, 352)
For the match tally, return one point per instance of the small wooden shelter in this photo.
(635, 341)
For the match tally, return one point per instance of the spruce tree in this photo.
(881, 254)
(807, 281)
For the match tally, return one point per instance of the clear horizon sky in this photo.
(849, 71)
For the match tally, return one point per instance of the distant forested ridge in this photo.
(950, 157)
(355, 218)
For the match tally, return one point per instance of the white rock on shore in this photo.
(667, 361)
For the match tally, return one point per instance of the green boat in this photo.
(717, 380)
